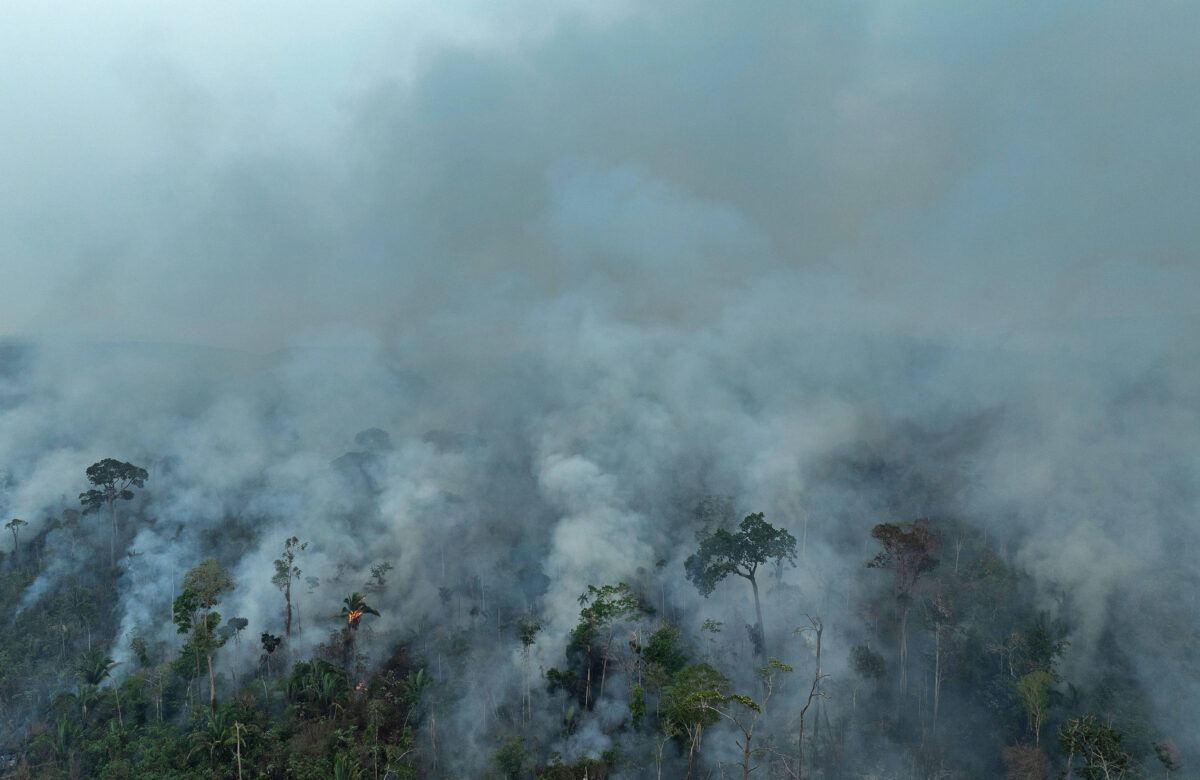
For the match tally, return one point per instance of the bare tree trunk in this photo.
(603, 673)
(433, 739)
(238, 730)
(587, 688)
(693, 744)
(817, 703)
(212, 691)
(813, 695)
(762, 637)
(112, 540)
(287, 618)
(937, 671)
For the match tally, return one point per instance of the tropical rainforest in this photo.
(934, 658)
(526, 390)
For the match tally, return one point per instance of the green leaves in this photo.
(602, 606)
(112, 480)
(722, 553)
(94, 667)
(527, 628)
(695, 695)
(354, 607)
(207, 580)
(203, 587)
(1098, 744)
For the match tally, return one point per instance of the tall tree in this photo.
(815, 694)
(722, 553)
(203, 587)
(111, 480)
(908, 554)
(286, 571)
(527, 627)
(269, 643)
(15, 525)
(354, 607)
(1034, 690)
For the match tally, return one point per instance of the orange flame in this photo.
(360, 686)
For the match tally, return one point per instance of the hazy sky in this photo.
(253, 174)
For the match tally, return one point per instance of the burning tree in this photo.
(111, 480)
(354, 607)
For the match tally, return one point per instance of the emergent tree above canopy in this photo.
(111, 480)
(722, 553)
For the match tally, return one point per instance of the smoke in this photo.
(586, 267)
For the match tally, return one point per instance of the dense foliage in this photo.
(948, 670)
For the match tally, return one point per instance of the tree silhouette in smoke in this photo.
(111, 479)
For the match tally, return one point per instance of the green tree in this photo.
(235, 626)
(743, 712)
(286, 571)
(511, 757)
(690, 704)
(92, 668)
(15, 525)
(1098, 745)
(269, 644)
(111, 480)
(203, 587)
(601, 608)
(1034, 689)
(219, 732)
(722, 553)
(61, 741)
(527, 628)
(378, 582)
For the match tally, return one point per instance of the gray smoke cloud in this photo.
(586, 265)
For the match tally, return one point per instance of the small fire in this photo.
(361, 684)
(353, 616)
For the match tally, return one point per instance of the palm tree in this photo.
(318, 686)
(346, 768)
(61, 741)
(219, 731)
(354, 607)
(92, 668)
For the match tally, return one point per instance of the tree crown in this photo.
(907, 552)
(722, 553)
(112, 479)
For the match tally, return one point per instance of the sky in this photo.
(253, 176)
